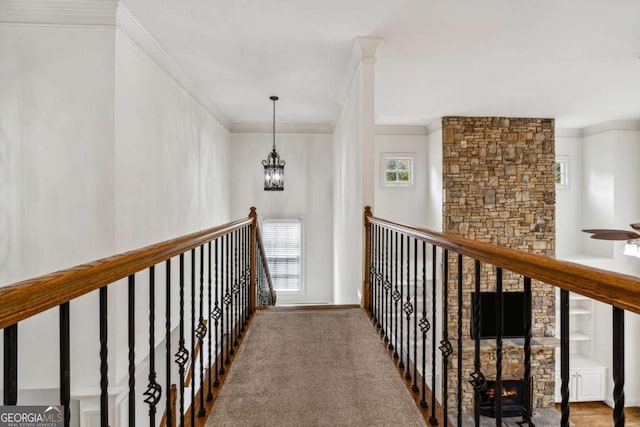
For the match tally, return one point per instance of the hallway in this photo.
(313, 367)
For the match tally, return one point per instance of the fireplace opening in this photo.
(511, 399)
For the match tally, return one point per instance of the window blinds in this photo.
(282, 239)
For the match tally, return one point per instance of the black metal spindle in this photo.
(236, 286)
(241, 282)
(408, 310)
(526, 397)
(65, 362)
(433, 420)
(564, 356)
(445, 344)
(499, 332)
(618, 367)
(167, 338)
(201, 331)
(379, 278)
(387, 285)
(391, 299)
(414, 387)
(11, 365)
(132, 343)
(228, 299)
(193, 336)
(396, 296)
(371, 271)
(401, 263)
(478, 380)
(215, 315)
(154, 391)
(182, 356)
(221, 313)
(104, 378)
(209, 391)
(459, 340)
(424, 327)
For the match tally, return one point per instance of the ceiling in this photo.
(575, 60)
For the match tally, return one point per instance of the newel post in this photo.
(366, 285)
(254, 251)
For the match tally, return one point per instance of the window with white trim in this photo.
(397, 170)
(282, 239)
(561, 171)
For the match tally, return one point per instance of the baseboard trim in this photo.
(312, 307)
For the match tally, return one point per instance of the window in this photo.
(562, 172)
(397, 170)
(282, 238)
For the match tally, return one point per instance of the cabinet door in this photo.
(573, 379)
(590, 385)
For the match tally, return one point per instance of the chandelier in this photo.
(273, 166)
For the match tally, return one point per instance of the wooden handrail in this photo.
(27, 298)
(619, 290)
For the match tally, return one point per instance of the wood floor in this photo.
(588, 414)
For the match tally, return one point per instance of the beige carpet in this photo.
(313, 368)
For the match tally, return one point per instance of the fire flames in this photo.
(506, 392)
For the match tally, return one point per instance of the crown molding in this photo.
(59, 12)
(632, 125)
(568, 133)
(131, 28)
(281, 128)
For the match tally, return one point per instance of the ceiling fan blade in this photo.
(636, 226)
(604, 234)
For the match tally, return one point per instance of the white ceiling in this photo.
(575, 60)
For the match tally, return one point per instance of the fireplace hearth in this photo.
(512, 394)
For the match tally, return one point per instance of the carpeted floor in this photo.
(313, 368)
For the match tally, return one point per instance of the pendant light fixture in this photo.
(273, 166)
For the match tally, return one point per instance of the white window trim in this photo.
(396, 156)
(302, 249)
(563, 159)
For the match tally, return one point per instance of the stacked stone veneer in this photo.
(499, 187)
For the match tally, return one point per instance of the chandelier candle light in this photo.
(273, 166)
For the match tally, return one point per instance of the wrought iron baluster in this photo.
(618, 367)
(65, 362)
(527, 410)
(227, 299)
(241, 283)
(154, 391)
(378, 278)
(216, 313)
(477, 381)
(182, 355)
(236, 286)
(223, 257)
(424, 327)
(201, 331)
(445, 344)
(104, 367)
(396, 296)
(415, 388)
(386, 286)
(499, 332)
(459, 340)
(11, 365)
(193, 336)
(209, 391)
(131, 302)
(391, 298)
(408, 310)
(401, 262)
(433, 420)
(167, 338)
(564, 356)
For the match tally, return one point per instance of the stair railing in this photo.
(396, 293)
(228, 258)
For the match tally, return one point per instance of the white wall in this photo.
(434, 192)
(307, 194)
(57, 160)
(407, 205)
(347, 200)
(101, 151)
(569, 200)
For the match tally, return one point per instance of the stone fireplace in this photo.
(499, 187)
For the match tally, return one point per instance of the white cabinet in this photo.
(586, 381)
